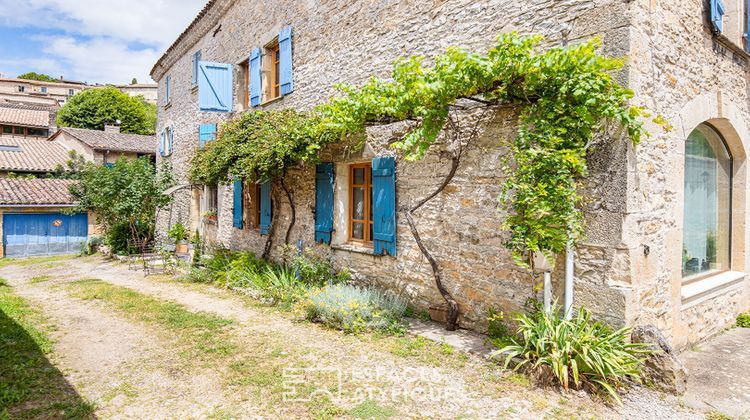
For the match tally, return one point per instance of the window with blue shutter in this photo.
(170, 143)
(214, 86)
(207, 133)
(747, 25)
(167, 87)
(384, 205)
(266, 211)
(161, 143)
(196, 59)
(324, 179)
(717, 15)
(237, 199)
(255, 79)
(285, 61)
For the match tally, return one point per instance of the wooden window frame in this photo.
(367, 220)
(251, 206)
(272, 89)
(245, 94)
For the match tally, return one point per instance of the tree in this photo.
(93, 108)
(124, 197)
(37, 76)
(134, 81)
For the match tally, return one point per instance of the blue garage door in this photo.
(30, 234)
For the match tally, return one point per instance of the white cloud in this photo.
(102, 60)
(156, 22)
(98, 45)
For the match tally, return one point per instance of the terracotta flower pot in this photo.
(181, 247)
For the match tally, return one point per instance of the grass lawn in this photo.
(30, 386)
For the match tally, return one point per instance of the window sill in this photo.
(732, 46)
(270, 101)
(710, 287)
(356, 248)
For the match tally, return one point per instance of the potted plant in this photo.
(210, 216)
(177, 234)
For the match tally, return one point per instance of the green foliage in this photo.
(177, 232)
(73, 167)
(495, 324)
(128, 193)
(134, 81)
(258, 146)
(93, 108)
(32, 75)
(743, 320)
(576, 352)
(92, 245)
(355, 309)
(313, 265)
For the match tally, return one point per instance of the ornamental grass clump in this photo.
(355, 309)
(576, 353)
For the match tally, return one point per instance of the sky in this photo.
(94, 41)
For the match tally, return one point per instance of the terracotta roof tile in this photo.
(24, 117)
(43, 192)
(27, 155)
(116, 142)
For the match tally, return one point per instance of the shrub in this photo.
(313, 266)
(743, 320)
(118, 235)
(354, 309)
(92, 245)
(575, 352)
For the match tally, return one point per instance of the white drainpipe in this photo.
(568, 281)
(547, 291)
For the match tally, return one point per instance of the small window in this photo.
(707, 207)
(212, 198)
(167, 87)
(19, 131)
(252, 206)
(22, 88)
(273, 87)
(7, 129)
(245, 83)
(360, 203)
(38, 132)
(71, 92)
(196, 59)
(44, 89)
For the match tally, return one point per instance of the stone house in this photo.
(667, 224)
(59, 90)
(147, 90)
(105, 147)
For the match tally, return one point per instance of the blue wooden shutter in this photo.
(161, 143)
(747, 25)
(214, 86)
(285, 61)
(207, 133)
(170, 143)
(196, 59)
(237, 212)
(717, 13)
(384, 205)
(265, 207)
(324, 178)
(255, 87)
(167, 82)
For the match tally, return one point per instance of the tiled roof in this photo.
(24, 117)
(28, 155)
(28, 192)
(116, 142)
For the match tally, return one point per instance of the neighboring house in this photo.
(26, 121)
(34, 218)
(667, 223)
(105, 147)
(149, 91)
(60, 90)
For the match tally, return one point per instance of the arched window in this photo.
(706, 243)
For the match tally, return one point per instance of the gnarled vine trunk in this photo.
(293, 210)
(272, 227)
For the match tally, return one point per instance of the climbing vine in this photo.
(565, 96)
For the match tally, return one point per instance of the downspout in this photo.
(568, 281)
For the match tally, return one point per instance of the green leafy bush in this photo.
(118, 235)
(743, 320)
(92, 245)
(355, 309)
(575, 352)
(313, 266)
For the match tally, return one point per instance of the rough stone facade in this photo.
(635, 200)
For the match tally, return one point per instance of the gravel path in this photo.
(131, 370)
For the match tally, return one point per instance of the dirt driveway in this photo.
(137, 347)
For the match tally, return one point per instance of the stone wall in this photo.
(625, 268)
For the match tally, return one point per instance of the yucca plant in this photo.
(577, 352)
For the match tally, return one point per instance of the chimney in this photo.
(111, 128)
